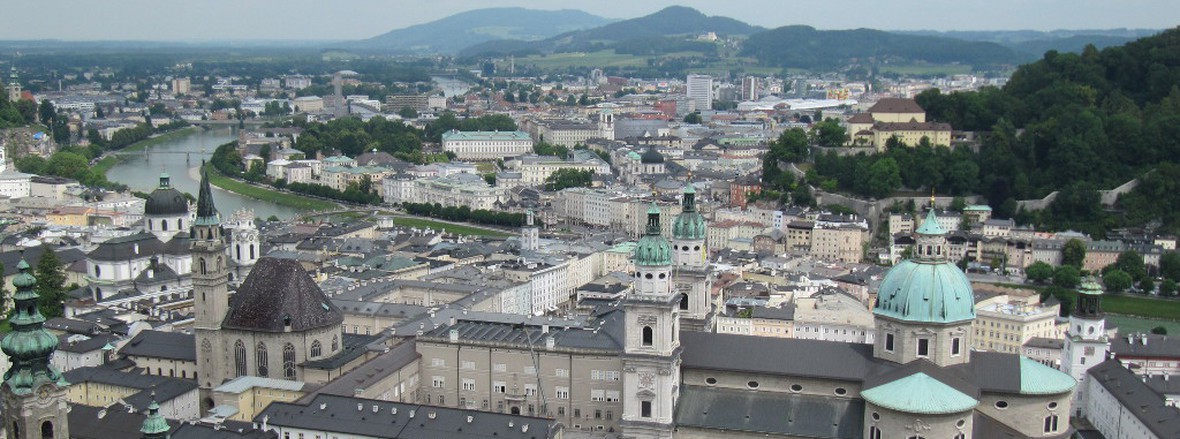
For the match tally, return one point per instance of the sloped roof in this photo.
(896, 105)
(919, 393)
(127, 247)
(278, 292)
(766, 412)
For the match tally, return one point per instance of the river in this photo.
(452, 87)
(179, 158)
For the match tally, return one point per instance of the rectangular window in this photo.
(597, 414)
(561, 411)
(610, 414)
(530, 390)
(468, 365)
(499, 387)
(563, 373)
(437, 382)
(597, 395)
(596, 375)
(645, 409)
(500, 367)
(955, 346)
(563, 392)
(923, 347)
(529, 370)
(888, 342)
(612, 396)
(468, 384)
(577, 413)
(611, 375)
(438, 362)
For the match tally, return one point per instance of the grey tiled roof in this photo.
(156, 344)
(127, 247)
(372, 418)
(277, 292)
(780, 356)
(1138, 398)
(771, 413)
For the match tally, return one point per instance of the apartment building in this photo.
(487, 145)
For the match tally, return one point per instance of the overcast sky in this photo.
(172, 20)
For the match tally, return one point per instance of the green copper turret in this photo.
(29, 346)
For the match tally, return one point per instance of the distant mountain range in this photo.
(517, 31)
(456, 32)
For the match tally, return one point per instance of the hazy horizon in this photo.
(307, 20)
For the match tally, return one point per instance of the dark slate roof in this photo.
(72, 326)
(992, 371)
(780, 356)
(952, 379)
(393, 420)
(1138, 398)
(1156, 346)
(32, 255)
(228, 430)
(179, 245)
(162, 273)
(371, 372)
(88, 422)
(165, 201)
(353, 346)
(90, 344)
(164, 388)
(127, 247)
(786, 414)
(156, 344)
(277, 292)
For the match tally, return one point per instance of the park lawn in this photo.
(451, 228)
(1129, 324)
(1127, 304)
(280, 198)
(602, 58)
(927, 69)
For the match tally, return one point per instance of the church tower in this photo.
(210, 294)
(651, 357)
(14, 90)
(246, 246)
(691, 279)
(34, 394)
(1086, 343)
(530, 236)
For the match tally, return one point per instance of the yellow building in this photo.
(250, 395)
(1008, 320)
(76, 216)
(896, 118)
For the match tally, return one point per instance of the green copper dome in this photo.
(921, 394)
(1039, 379)
(154, 425)
(689, 225)
(653, 249)
(928, 289)
(29, 346)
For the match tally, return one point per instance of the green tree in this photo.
(272, 218)
(1117, 281)
(791, 146)
(1146, 286)
(51, 282)
(1159, 330)
(829, 133)
(408, 113)
(1066, 276)
(47, 112)
(693, 118)
(1131, 262)
(884, 178)
(567, 178)
(1168, 288)
(1170, 266)
(1039, 272)
(1074, 253)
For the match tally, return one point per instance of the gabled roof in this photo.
(157, 344)
(770, 413)
(278, 293)
(123, 248)
(896, 105)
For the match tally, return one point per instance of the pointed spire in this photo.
(930, 225)
(206, 212)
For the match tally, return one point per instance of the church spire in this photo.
(29, 346)
(206, 212)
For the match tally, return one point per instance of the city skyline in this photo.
(223, 20)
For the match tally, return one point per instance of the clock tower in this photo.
(34, 395)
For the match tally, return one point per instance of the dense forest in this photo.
(806, 47)
(1073, 123)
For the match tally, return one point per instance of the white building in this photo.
(536, 169)
(700, 91)
(487, 145)
(457, 190)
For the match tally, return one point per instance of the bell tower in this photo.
(691, 280)
(34, 395)
(210, 293)
(1086, 343)
(651, 357)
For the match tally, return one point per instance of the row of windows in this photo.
(262, 357)
(924, 345)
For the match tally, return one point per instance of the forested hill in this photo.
(670, 21)
(453, 33)
(806, 47)
(1078, 123)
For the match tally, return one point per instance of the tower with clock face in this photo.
(33, 394)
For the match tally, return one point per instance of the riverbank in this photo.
(447, 227)
(108, 162)
(216, 178)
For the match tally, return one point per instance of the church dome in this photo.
(651, 156)
(927, 289)
(926, 292)
(653, 249)
(165, 200)
(689, 225)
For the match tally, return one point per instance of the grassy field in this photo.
(280, 198)
(927, 69)
(1129, 324)
(602, 58)
(1130, 305)
(450, 228)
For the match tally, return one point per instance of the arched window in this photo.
(164, 225)
(239, 358)
(150, 224)
(97, 271)
(260, 357)
(683, 301)
(289, 361)
(961, 435)
(1051, 423)
(180, 224)
(238, 250)
(47, 430)
(252, 251)
(648, 335)
(201, 263)
(335, 343)
(316, 349)
(874, 432)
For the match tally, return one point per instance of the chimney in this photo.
(265, 422)
(452, 321)
(545, 328)
(1143, 338)
(454, 335)
(550, 342)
